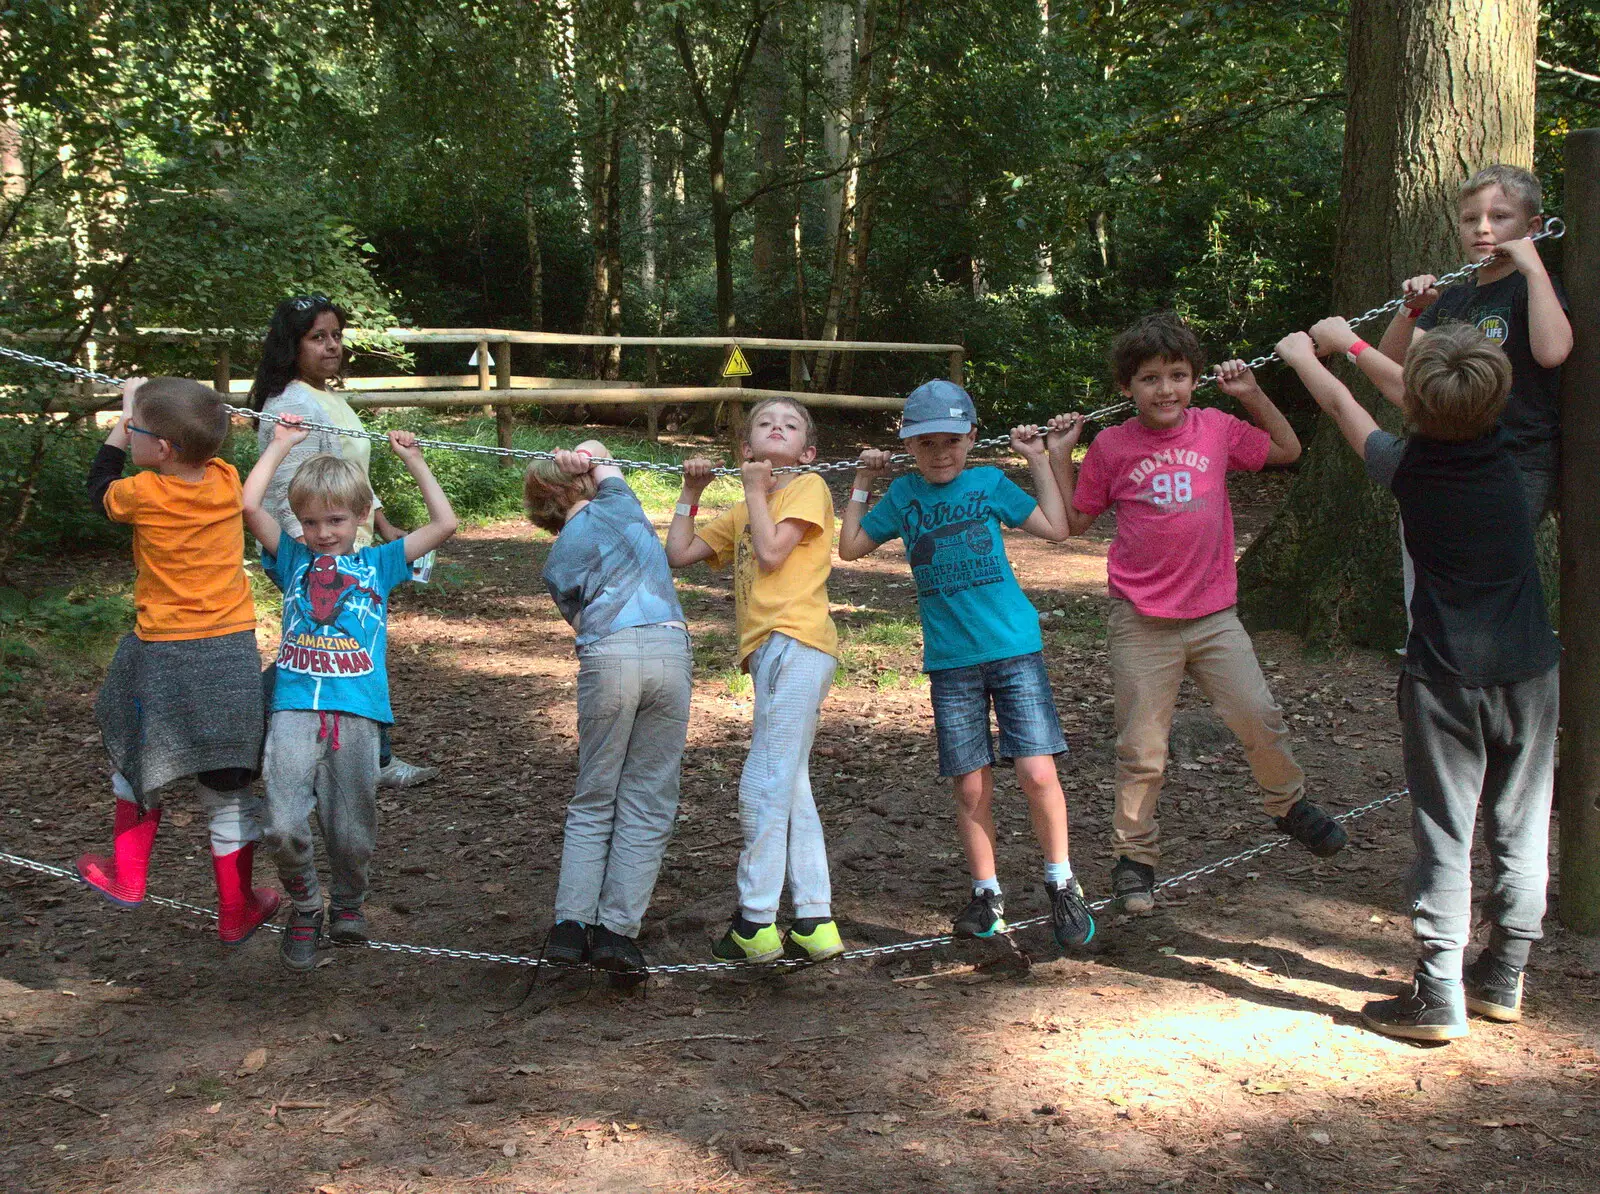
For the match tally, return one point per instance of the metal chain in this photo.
(1554, 229)
(877, 951)
(379, 437)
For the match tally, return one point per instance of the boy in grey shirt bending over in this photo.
(1478, 692)
(609, 577)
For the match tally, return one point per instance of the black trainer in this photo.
(984, 917)
(1493, 988)
(567, 943)
(1430, 1011)
(1133, 884)
(349, 926)
(299, 948)
(1070, 918)
(618, 955)
(1314, 829)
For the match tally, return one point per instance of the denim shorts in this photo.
(1024, 709)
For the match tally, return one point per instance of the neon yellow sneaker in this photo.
(765, 946)
(821, 943)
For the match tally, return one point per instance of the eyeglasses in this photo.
(143, 431)
(306, 301)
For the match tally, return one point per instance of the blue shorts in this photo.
(1024, 709)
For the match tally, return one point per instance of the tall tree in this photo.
(716, 55)
(1437, 88)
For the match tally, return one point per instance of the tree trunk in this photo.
(769, 94)
(643, 146)
(530, 217)
(826, 371)
(838, 22)
(613, 360)
(1437, 89)
(886, 60)
(721, 227)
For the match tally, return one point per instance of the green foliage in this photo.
(1040, 184)
(58, 625)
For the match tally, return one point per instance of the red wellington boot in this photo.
(120, 878)
(241, 910)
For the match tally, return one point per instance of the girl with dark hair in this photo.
(303, 352)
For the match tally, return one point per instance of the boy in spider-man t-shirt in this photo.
(330, 697)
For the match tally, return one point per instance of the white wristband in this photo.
(684, 510)
(861, 495)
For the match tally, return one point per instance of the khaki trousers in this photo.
(1149, 657)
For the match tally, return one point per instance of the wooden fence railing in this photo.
(502, 392)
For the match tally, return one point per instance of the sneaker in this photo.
(983, 917)
(1070, 918)
(349, 926)
(1493, 988)
(821, 942)
(1430, 1011)
(300, 939)
(398, 773)
(764, 946)
(1133, 884)
(1313, 829)
(567, 943)
(618, 955)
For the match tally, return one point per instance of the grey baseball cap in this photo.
(938, 406)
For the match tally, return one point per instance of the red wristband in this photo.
(1357, 347)
(1412, 312)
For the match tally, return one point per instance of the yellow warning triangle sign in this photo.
(736, 365)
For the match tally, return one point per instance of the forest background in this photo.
(1020, 176)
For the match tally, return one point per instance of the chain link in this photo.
(876, 951)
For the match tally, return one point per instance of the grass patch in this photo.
(59, 629)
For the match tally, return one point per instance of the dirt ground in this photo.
(1214, 1046)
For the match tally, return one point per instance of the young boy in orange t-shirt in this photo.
(183, 694)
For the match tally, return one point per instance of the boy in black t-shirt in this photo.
(1478, 691)
(1516, 305)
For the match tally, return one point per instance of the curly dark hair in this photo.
(280, 351)
(1162, 335)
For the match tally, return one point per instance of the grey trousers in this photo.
(1465, 748)
(782, 832)
(633, 717)
(326, 764)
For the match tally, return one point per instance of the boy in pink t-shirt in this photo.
(1173, 584)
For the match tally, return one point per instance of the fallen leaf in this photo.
(252, 1063)
(1256, 1086)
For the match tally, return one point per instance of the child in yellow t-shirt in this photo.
(780, 543)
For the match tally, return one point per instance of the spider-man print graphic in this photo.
(330, 590)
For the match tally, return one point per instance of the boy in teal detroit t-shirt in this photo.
(980, 635)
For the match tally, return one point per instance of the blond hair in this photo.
(548, 493)
(1520, 186)
(1456, 383)
(334, 482)
(797, 407)
(189, 416)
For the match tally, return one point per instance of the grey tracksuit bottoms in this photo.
(777, 812)
(1467, 748)
(327, 764)
(633, 717)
